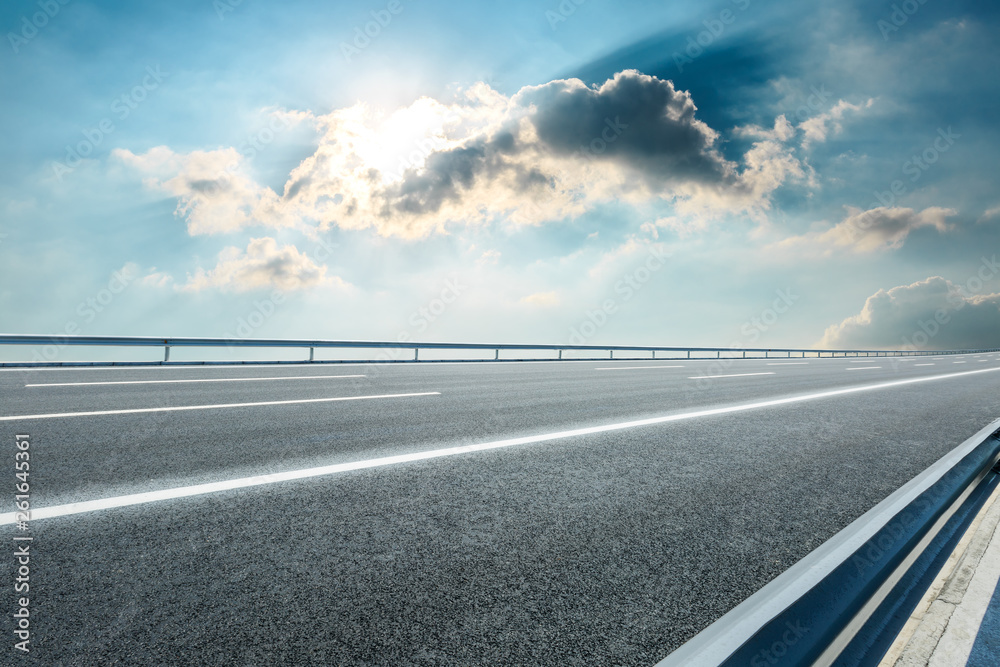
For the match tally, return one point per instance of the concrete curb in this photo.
(943, 626)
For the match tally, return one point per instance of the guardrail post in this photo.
(416, 354)
(689, 354)
(166, 353)
(744, 354)
(653, 352)
(718, 354)
(560, 354)
(611, 354)
(496, 356)
(311, 351)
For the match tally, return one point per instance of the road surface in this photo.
(545, 513)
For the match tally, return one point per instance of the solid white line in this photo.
(291, 377)
(634, 368)
(862, 368)
(734, 375)
(790, 363)
(57, 415)
(199, 489)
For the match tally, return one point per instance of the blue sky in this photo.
(732, 173)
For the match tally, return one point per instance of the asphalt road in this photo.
(609, 547)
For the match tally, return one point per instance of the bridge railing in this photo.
(311, 345)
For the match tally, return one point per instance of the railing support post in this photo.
(744, 354)
(689, 354)
(416, 354)
(611, 354)
(560, 354)
(166, 353)
(496, 357)
(312, 351)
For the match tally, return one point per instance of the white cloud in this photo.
(546, 153)
(877, 229)
(783, 130)
(542, 299)
(933, 313)
(212, 191)
(489, 257)
(263, 265)
(990, 214)
(157, 279)
(818, 128)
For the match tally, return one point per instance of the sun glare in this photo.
(404, 139)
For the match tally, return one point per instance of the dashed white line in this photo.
(244, 482)
(790, 363)
(922, 365)
(218, 406)
(734, 375)
(862, 368)
(292, 377)
(634, 368)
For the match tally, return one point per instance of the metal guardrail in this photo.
(846, 602)
(312, 345)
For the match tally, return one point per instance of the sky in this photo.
(737, 173)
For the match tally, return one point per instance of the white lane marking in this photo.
(915, 365)
(790, 363)
(958, 362)
(868, 361)
(290, 377)
(862, 368)
(95, 413)
(734, 375)
(258, 480)
(634, 368)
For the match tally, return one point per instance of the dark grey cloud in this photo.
(448, 173)
(636, 119)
